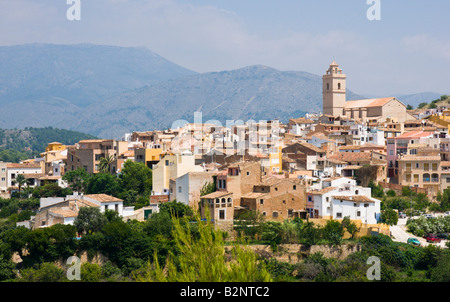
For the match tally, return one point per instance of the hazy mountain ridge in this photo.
(249, 93)
(107, 91)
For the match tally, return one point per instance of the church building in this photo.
(379, 109)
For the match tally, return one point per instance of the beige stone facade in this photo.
(87, 153)
(422, 170)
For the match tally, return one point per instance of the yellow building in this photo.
(55, 146)
(275, 159)
(441, 119)
(148, 156)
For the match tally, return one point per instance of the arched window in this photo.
(223, 200)
(339, 85)
(435, 177)
(426, 177)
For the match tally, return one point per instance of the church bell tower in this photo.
(334, 90)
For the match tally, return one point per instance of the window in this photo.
(339, 85)
(290, 212)
(275, 215)
(167, 162)
(294, 187)
(179, 189)
(366, 205)
(248, 173)
(221, 214)
(261, 201)
(339, 215)
(116, 207)
(358, 213)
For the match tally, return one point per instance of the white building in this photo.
(336, 198)
(29, 170)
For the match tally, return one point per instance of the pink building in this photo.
(399, 145)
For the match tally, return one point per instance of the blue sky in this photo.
(407, 51)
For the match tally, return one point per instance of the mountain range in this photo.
(107, 91)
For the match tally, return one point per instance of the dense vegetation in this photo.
(191, 250)
(20, 144)
(175, 245)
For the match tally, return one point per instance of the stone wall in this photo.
(295, 253)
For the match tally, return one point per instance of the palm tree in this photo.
(20, 181)
(105, 163)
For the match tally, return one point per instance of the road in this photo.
(399, 234)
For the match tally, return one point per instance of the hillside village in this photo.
(315, 167)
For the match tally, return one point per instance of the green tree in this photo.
(203, 259)
(389, 217)
(105, 163)
(422, 105)
(50, 190)
(310, 234)
(77, 179)
(89, 220)
(136, 176)
(20, 181)
(6, 269)
(103, 183)
(377, 190)
(333, 231)
(178, 209)
(208, 188)
(90, 272)
(47, 272)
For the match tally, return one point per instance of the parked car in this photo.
(433, 238)
(413, 241)
(429, 216)
(401, 215)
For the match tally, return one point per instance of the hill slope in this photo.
(18, 144)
